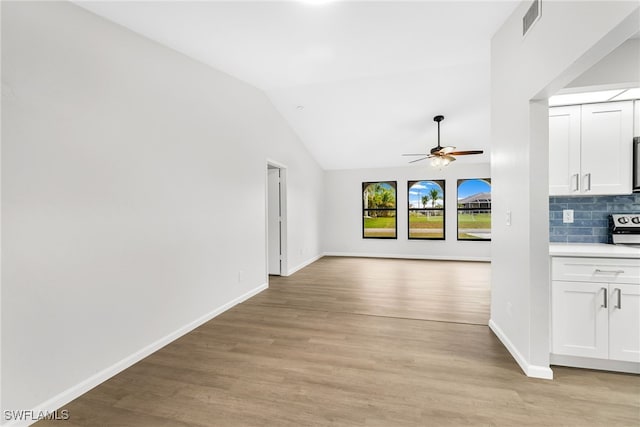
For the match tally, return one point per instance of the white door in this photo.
(607, 134)
(624, 322)
(273, 220)
(580, 319)
(564, 150)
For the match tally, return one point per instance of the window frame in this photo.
(393, 184)
(442, 184)
(458, 208)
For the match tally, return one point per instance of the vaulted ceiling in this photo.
(359, 82)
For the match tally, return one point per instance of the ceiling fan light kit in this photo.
(442, 161)
(442, 156)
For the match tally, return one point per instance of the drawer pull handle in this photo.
(604, 305)
(609, 271)
(619, 305)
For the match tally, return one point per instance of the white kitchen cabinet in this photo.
(636, 118)
(595, 310)
(580, 319)
(624, 322)
(564, 145)
(606, 148)
(590, 149)
(596, 320)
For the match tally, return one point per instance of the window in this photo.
(474, 209)
(426, 210)
(379, 210)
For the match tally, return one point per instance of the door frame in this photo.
(271, 164)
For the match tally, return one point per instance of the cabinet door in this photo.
(636, 118)
(624, 322)
(564, 150)
(579, 319)
(606, 149)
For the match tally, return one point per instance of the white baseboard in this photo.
(589, 363)
(533, 371)
(304, 264)
(79, 389)
(410, 256)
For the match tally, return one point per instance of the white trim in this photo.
(588, 363)
(304, 264)
(79, 389)
(533, 371)
(411, 256)
(284, 227)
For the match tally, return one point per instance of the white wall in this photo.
(133, 194)
(568, 39)
(622, 66)
(343, 214)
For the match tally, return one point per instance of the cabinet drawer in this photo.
(603, 270)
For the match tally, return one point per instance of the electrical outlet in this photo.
(567, 216)
(509, 309)
(240, 276)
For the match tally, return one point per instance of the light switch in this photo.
(508, 218)
(567, 216)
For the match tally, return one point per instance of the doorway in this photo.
(276, 220)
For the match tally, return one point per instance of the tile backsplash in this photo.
(590, 216)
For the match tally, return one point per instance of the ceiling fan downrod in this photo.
(437, 119)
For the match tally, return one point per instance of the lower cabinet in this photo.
(596, 320)
(595, 316)
(624, 323)
(580, 319)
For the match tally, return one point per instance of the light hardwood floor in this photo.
(355, 342)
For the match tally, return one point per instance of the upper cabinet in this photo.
(636, 118)
(564, 150)
(590, 149)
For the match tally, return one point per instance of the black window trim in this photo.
(458, 209)
(395, 187)
(443, 209)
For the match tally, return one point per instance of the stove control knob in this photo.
(623, 220)
(635, 219)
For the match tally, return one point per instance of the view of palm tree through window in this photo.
(426, 209)
(474, 209)
(379, 210)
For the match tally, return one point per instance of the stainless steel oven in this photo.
(636, 164)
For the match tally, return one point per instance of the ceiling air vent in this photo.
(530, 18)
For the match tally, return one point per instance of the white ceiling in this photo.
(370, 75)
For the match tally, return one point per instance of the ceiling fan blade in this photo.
(465, 153)
(447, 150)
(417, 160)
(421, 154)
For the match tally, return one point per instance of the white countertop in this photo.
(601, 250)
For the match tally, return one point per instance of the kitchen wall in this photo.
(525, 71)
(133, 198)
(343, 213)
(591, 216)
(620, 67)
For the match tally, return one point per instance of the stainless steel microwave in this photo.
(636, 164)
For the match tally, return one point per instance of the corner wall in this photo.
(569, 38)
(133, 198)
(343, 214)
